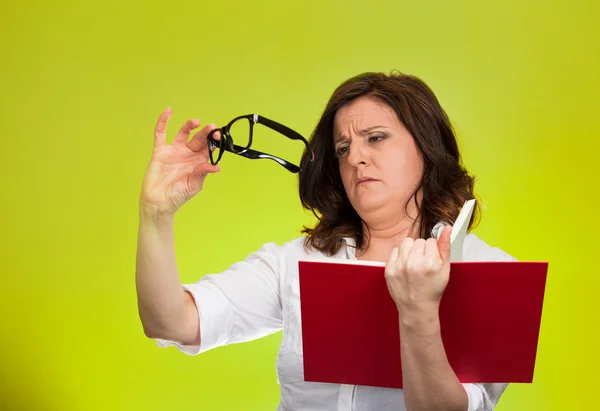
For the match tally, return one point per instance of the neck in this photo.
(383, 230)
(379, 240)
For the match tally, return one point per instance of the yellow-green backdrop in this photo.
(83, 84)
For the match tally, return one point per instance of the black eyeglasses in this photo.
(243, 129)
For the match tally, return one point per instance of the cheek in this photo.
(345, 174)
(405, 171)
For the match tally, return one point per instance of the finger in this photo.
(392, 260)
(405, 249)
(199, 142)
(415, 257)
(431, 249)
(443, 244)
(160, 130)
(184, 132)
(418, 248)
(432, 255)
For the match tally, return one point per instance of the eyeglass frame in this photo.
(225, 143)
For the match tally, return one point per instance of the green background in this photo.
(82, 87)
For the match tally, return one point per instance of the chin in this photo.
(369, 202)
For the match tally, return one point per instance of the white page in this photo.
(459, 231)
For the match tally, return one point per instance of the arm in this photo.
(417, 275)
(425, 368)
(166, 311)
(239, 304)
(175, 174)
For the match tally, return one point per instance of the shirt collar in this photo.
(350, 248)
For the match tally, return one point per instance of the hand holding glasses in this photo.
(243, 129)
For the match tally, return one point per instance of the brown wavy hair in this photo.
(445, 183)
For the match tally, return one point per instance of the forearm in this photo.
(160, 295)
(429, 382)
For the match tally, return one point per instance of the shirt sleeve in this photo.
(240, 304)
(484, 397)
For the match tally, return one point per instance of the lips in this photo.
(365, 180)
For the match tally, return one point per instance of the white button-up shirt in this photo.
(260, 296)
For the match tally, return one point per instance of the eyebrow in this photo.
(361, 132)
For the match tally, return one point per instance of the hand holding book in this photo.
(417, 274)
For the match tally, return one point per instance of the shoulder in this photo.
(476, 249)
(281, 258)
(298, 248)
(295, 248)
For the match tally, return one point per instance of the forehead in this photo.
(364, 112)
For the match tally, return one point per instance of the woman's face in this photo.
(379, 162)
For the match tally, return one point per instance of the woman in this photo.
(386, 170)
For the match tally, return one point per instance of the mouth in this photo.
(365, 180)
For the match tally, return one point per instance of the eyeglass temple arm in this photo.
(256, 155)
(286, 131)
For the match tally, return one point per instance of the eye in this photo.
(376, 138)
(341, 150)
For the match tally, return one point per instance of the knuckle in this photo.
(190, 125)
(431, 265)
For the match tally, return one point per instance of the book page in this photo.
(459, 231)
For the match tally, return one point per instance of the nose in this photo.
(357, 155)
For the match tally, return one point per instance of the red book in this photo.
(490, 317)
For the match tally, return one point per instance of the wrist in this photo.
(422, 318)
(150, 214)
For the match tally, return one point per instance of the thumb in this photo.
(199, 174)
(203, 169)
(444, 244)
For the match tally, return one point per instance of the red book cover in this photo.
(490, 317)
